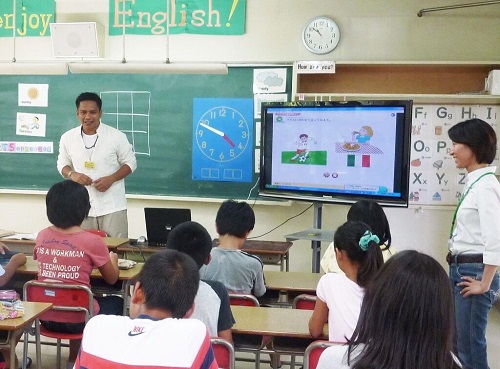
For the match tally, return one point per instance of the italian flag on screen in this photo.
(358, 160)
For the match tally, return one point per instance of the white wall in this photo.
(375, 30)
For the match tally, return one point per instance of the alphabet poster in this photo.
(434, 178)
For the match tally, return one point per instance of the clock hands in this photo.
(317, 31)
(217, 132)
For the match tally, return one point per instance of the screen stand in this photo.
(316, 235)
(316, 244)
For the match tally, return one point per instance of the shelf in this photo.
(417, 98)
(447, 82)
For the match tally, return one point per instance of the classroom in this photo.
(378, 37)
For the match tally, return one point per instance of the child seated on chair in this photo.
(340, 295)
(68, 254)
(155, 335)
(239, 271)
(211, 304)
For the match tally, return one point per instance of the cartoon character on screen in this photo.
(302, 151)
(363, 135)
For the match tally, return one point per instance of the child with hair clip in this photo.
(372, 214)
(340, 295)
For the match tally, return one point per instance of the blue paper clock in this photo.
(222, 139)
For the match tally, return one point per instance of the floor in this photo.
(493, 337)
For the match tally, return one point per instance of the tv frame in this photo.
(401, 156)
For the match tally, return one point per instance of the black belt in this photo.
(464, 258)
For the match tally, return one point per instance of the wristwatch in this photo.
(69, 174)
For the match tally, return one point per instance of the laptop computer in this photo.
(160, 221)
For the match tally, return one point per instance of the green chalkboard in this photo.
(164, 155)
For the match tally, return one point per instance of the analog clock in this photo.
(321, 35)
(222, 134)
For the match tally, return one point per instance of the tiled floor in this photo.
(493, 336)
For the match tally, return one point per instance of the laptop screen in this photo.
(160, 221)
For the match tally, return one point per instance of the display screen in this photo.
(336, 151)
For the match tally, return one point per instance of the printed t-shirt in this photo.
(69, 257)
(111, 341)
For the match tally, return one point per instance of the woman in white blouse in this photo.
(474, 239)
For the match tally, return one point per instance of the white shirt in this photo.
(335, 357)
(112, 150)
(343, 298)
(206, 308)
(477, 229)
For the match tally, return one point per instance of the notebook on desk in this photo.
(160, 221)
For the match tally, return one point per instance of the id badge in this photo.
(89, 165)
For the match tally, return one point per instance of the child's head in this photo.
(303, 137)
(356, 240)
(67, 204)
(407, 314)
(372, 214)
(168, 281)
(366, 131)
(192, 239)
(235, 219)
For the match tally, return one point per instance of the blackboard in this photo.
(166, 170)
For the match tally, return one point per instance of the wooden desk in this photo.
(302, 282)
(27, 246)
(32, 310)
(270, 252)
(125, 278)
(273, 322)
(283, 287)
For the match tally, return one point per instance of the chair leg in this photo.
(38, 345)
(58, 353)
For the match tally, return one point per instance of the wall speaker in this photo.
(78, 39)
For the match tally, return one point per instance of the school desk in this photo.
(125, 278)
(32, 310)
(274, 322)
(283, 287)
(27, 246)
(270, 252)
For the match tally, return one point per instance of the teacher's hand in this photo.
(472, 287)
(103, 184)
(81, 178)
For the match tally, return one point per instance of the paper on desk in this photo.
(5, 233)
(22, 236)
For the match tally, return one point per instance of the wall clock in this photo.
(321, 35)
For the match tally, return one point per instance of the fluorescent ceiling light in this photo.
(18, 68)
(149, 68)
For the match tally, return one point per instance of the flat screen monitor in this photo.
(338, 152)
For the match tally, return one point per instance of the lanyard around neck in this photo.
(462, 199)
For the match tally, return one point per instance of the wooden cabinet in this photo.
(422, 82)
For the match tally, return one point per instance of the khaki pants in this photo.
(114, 224)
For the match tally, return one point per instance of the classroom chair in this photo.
(244, 342)
(75, 302)
(98, 232)
(224, 353)
(295, 346)
(314, 351)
